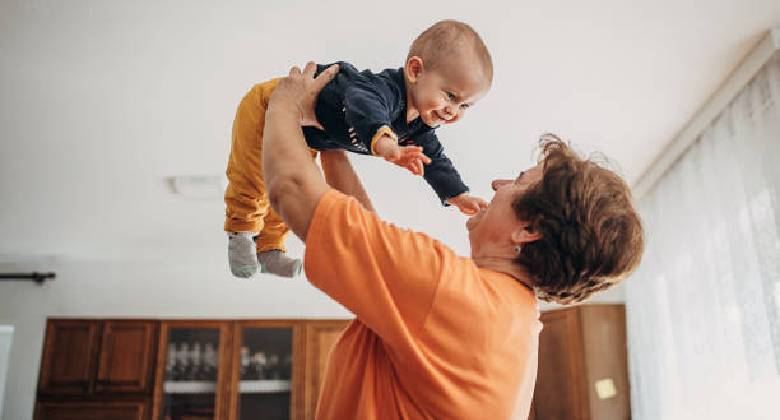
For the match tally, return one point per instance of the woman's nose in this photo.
(498, 183)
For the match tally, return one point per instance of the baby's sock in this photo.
(277, 262)
(241, 254)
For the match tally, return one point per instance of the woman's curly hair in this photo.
(591, 234)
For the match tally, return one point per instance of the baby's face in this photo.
(443, 95)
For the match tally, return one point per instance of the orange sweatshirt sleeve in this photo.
(387, 276)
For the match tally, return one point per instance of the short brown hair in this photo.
(446, 38)
(591, 234)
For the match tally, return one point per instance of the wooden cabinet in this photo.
(122, 369)
(68, 360)
(126, 356)
(82, 357)
(102, 410)
(207, 397)
(532, 412)
(320, 338)
(94, 369)
(183, 369)
(583, 367)
(268, 366)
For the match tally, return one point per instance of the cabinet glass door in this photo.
(265, 373)
(191, 373)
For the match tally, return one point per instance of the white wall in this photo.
(6, 338)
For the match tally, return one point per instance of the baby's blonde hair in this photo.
(445, 39)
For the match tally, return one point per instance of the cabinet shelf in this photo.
(189, 387)
(244, 387)
(264, 386)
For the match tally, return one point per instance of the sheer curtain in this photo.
(704, 306)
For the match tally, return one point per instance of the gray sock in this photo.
(241, 254)
(277, 262)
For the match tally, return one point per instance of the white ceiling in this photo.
(101, 100)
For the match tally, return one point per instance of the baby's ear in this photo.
(413, 68)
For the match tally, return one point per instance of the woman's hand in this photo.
(298, 92)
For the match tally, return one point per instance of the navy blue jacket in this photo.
(355, 105)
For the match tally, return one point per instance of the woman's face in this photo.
(495, 224)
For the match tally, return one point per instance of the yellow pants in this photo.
(246, 198)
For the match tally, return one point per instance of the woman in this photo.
(438, 335)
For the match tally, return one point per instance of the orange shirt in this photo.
(436, 337)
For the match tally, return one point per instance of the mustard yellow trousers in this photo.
(246, 198)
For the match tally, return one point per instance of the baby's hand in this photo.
(411, 158)
(468, 204)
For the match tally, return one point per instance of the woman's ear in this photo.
(413, 68)
(524, 234)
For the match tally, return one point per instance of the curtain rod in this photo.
(35, 276)
(716, 103)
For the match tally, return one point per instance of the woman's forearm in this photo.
(293, 181)
(340, 175)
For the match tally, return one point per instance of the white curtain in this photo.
(704, 306)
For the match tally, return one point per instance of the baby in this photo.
(392, 114)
